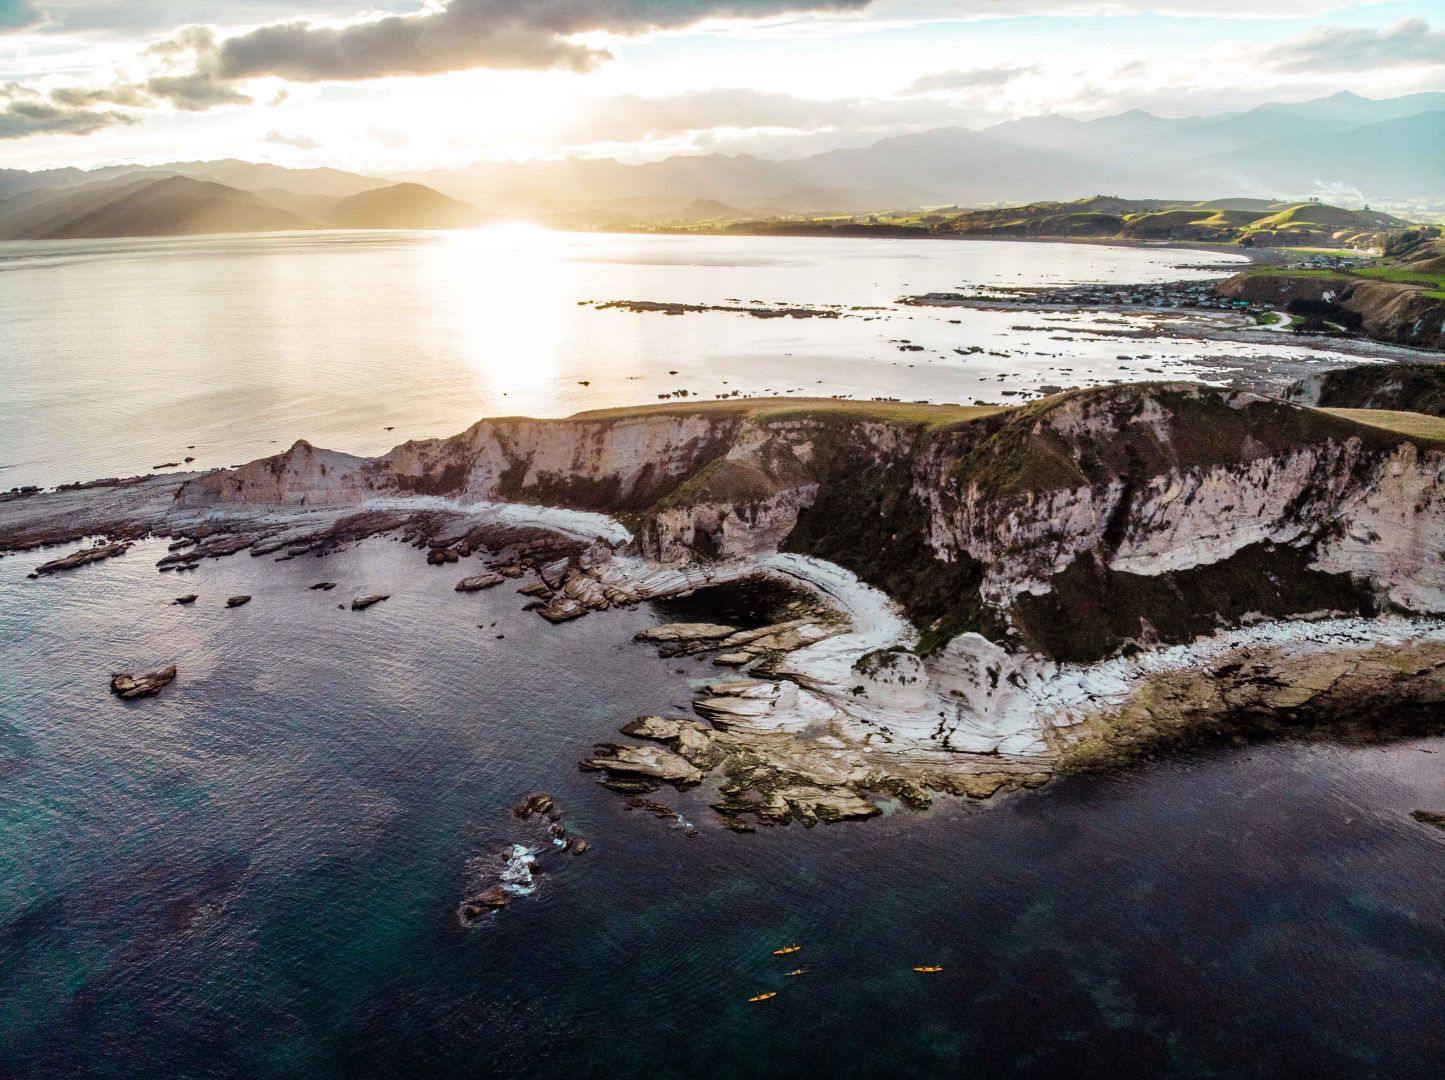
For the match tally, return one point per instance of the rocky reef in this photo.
(996, 593)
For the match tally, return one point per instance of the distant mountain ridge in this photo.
(150, 204)
(1388, 148)
(1338, 146)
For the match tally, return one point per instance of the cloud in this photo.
(145, 17)
(83, 97)
(78, 110)
(196, 92)
(188, 76)
(463, 34)
(300, 142)
(1338, 48)
(24, 111)
(967, 79)
(629, 118)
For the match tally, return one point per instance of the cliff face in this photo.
(1411, 387)
(616, 465)
(1073, 526)
(1382, 310)
(302, 476)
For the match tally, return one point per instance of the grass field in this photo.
(1416, 425)
(897, 412)
(1403, 275)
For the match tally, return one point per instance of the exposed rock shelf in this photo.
(999, 593)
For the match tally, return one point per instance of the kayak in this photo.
(787, 950)
(764, 997)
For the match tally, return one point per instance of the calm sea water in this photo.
(122, 354)
(256, 873)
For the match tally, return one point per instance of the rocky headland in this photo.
(994, 594)
(1400, 301)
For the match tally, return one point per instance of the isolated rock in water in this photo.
(237, 601)
(562, 609)
(126, 685)
(361, 603)
(324, 586)
(1430, 817)
(539, 802)
(189, 598)
(580, 846)
(652, 762)
(477, 582)
(474, 907)
(495, 897)
(84, 556)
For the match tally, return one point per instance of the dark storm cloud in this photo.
(466, 34)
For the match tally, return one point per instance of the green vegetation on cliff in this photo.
(1383, 394)
(1246, 223)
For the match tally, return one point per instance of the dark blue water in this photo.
(256, 873)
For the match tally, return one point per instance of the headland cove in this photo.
(981, 596)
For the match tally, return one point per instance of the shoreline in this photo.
(1252, 255)
(811, 718)
(825, 731)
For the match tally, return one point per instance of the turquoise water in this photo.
(256, 873)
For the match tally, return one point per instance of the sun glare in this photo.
(507, 281)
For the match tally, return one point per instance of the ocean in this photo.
(119, 355)
(257, 873)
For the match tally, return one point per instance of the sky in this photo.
(399, 85)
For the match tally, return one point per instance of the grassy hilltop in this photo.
(1240, 222)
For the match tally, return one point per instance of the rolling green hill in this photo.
(1246, 222)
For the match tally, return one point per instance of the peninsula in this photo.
(993, 594)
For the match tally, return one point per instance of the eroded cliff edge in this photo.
(1066, 582)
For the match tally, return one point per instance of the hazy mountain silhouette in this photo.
(169, 205)
(1386, 149)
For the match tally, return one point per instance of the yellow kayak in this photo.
(764, 997)
(929, 969)
(787, 950)
(796, 971)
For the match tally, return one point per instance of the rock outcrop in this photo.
(998, 590)
(1401, 314)
(128, 686)
(1418, 388)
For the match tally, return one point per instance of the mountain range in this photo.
(1345, 147)
(145, 203)
(1391, 149)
